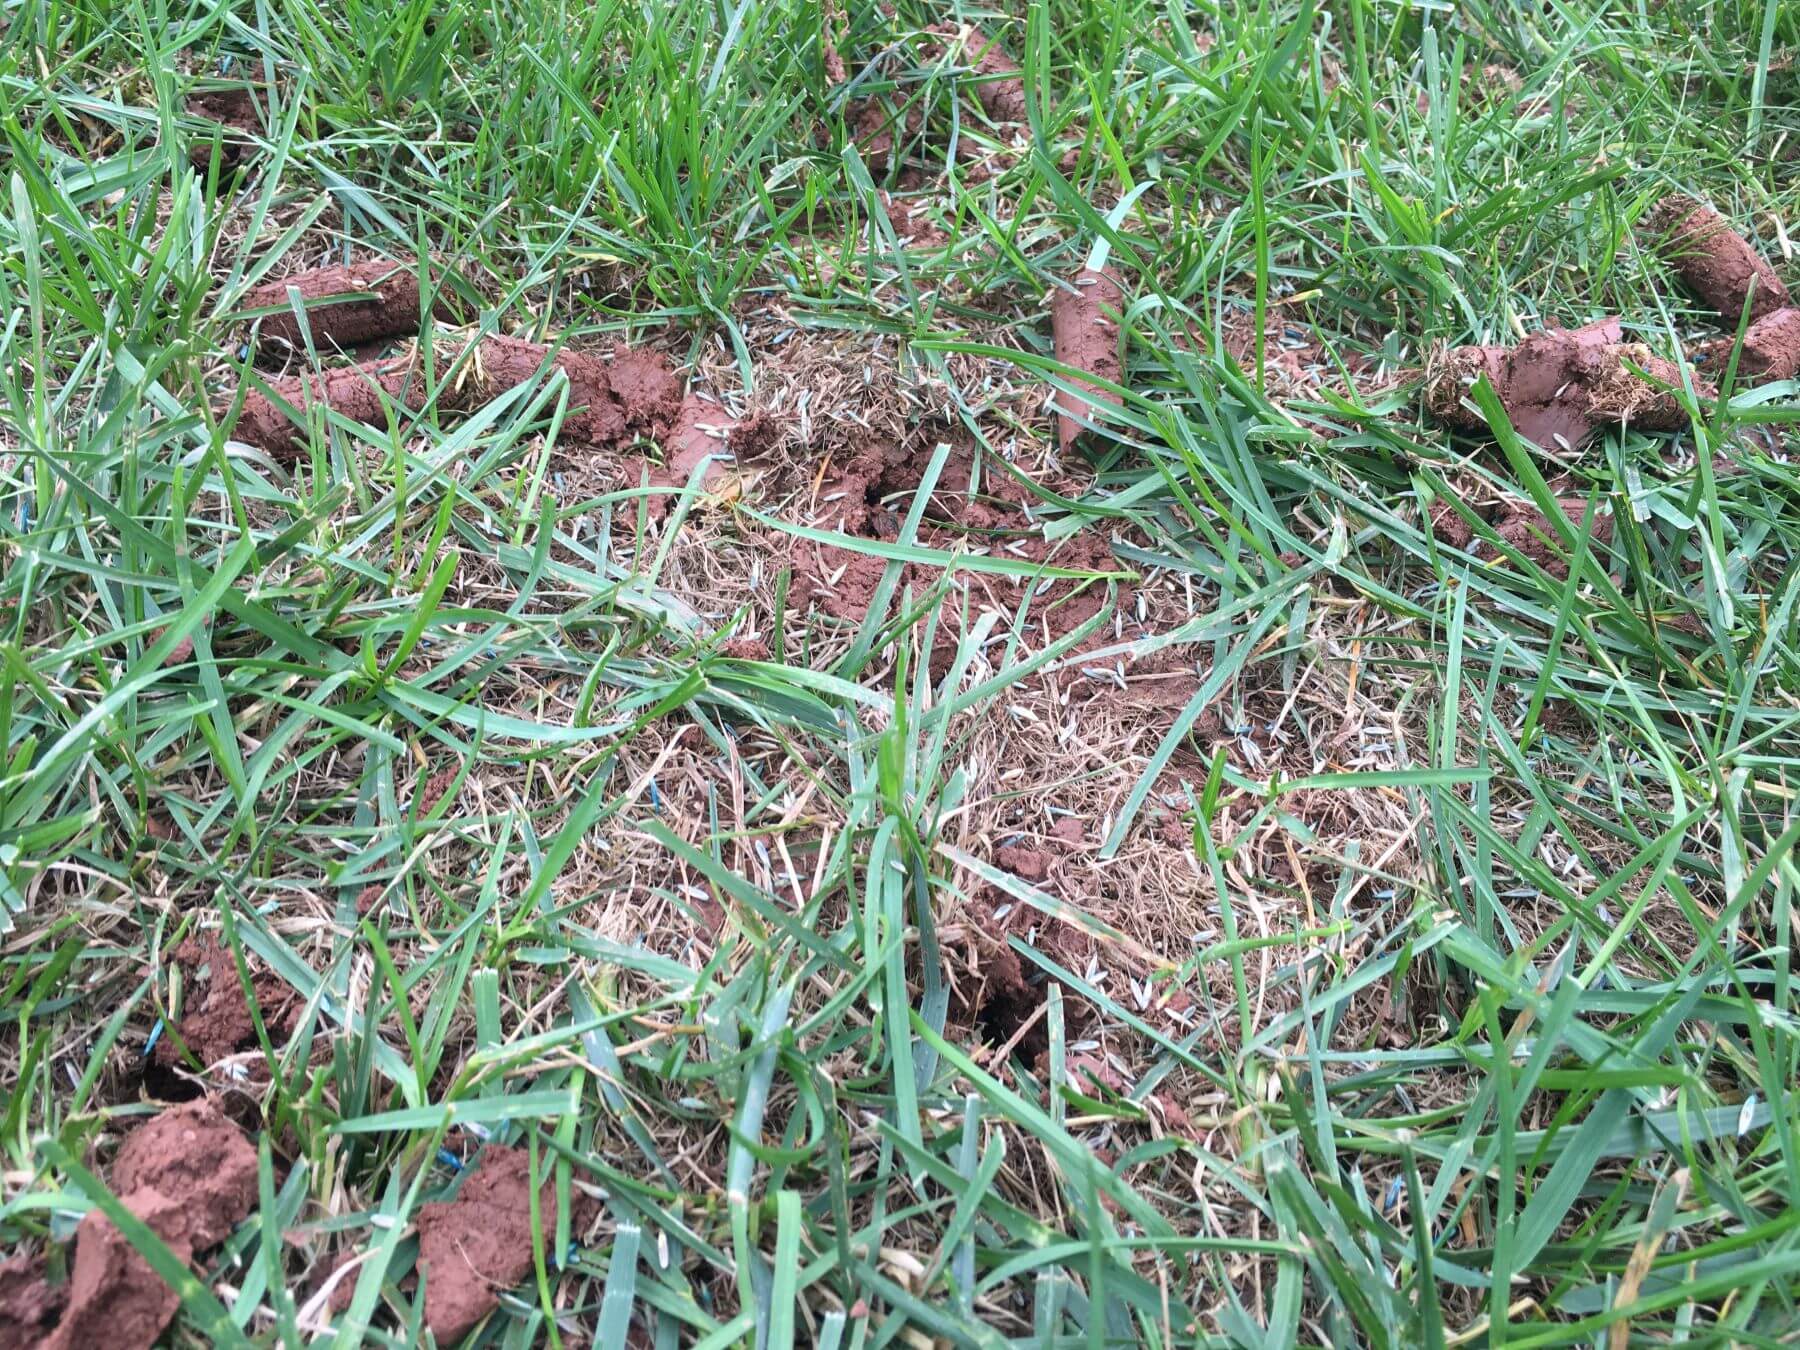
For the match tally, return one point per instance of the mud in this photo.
(1561, 385)
(190, 1175)
(390, 310)
(1771, 348)
(29, 1304)
(610, 403)
(217, 1020)
(1087, 339)
(1524, 527)
(1715, 261)
(868, 499)
(477, 1245)
(235, 111)
(1001, 87)
(360, 392)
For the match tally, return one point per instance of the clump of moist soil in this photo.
(30, 1305)
(473, 1247)
(361, 392)
(912, 227)
(1715, 261)
(701, 429)
(869, 497)
(434, 788)
(345, 305)
(1771, 347)
(217, 1021)
(190, 1175)
(1000, 86)
(611, 402)
(1522, 525)
(1560, 385)
(233, 109)
(1086, 333)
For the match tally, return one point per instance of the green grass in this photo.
(1570, 1125)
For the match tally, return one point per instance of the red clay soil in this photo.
(912, 227)
(1717, 263)
(1559, 385)
(1524, 527)
(30, 1305)
(476, 1246)
(390, 309)
(1001, 87)
(869, 497)
(233, 109)
(218, 1022)
(190, 1175)
(1087, 339)
(611, 402)
(1771, 347)
(432, 790)
(360, 392)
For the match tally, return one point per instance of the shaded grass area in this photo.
(444, 733)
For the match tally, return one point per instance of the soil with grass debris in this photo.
(190, 1176)
(477, 1245)
(389, 306)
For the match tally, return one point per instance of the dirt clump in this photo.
(1771, 347)
(1524, 527)
(1007, 1003)
(190, 1175)
(478, 1244)
(611, 402)
(1715, 261)
(1001, 85)
(360, 392)
(388, 307)
(868, 499)
(1028, 864)
(29, 1304)
(234, 109)
(434, 788)
(1086, 334)
(218, 1022)
(912, 227)
(1560, 385)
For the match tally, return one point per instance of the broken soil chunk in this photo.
(1717, 263)
(218, 1022)
(233, 109)
(1771, 346)
(1001, 91)
(478, 1245)
(1559, 385)
(1086, 333)
(610, 403)
(190, 1175)
(29, 1304)
(390, 309)
(360, 392)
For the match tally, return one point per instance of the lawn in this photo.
(897, 674)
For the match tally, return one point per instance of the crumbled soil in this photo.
(911, 225)
(1028, 864)
(235, 110)
(432, 791)
(1771, 348)
(611, 402)
(1717, 263)
(1560, 385)
(29, 1304)
(190, 1175)
(475, 1246)
(360, 392)
(390, 309)
(1007, 1002)
(1087, 339)
(1523, 526)
(217, 1021)
(869, 497)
